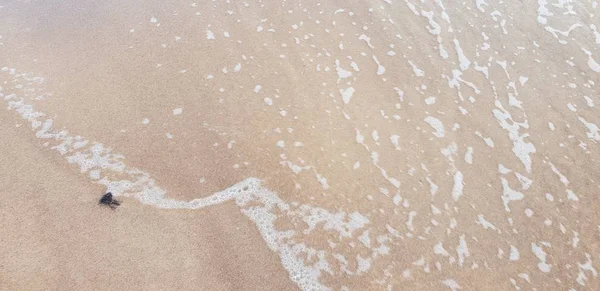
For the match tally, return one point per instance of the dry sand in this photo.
(402, 145)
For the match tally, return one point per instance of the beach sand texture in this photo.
(300, 145)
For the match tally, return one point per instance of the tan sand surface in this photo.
(281, 145)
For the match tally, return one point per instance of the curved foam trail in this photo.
(95, 159)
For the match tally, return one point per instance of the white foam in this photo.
(433, 188)
(591, 62)
(457, 189)
(409, 222)
(439, 249)
(430, 100)
(462, 250)
(480, 4)
(397, 199)
(380, 68)
(587, 266)
(375, 135)
(594, 131)
(538, 251)
(437, 126)
(571, 195)
(464, 61)
(347, 94)
(210, 34)
(589, 101)
(469, 155)
(395, 139)
(484, 223)
(450, 283)
(488, 141)
(177, 111)
(521, 149)
(342, 73)
(364, 264)
(366, 39)
(523, 80)
(365, 239)
(418, 72)
(508, 194)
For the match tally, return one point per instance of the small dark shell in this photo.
(106, 199)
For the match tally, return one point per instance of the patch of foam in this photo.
(439, 249)
(210, 34)
(437, 126)
(367, 40)
(457, 189)
(462, 250)
(347, 94)
(464, 61)
(342, 73)
(430, 100)
(484, 223)
(509, 195)
(365, 239)
(433, 188)
(594, 131)
(451, 283)
(418, 72)
(375, 135)
(521, 149)
(539, 252)
(380, 68)
(409, 222)
(514, 253)
(587, 266)
(523, 80)
(469, 155)
(589, 101)
(177, 111)
(395, 140)
(488, 141)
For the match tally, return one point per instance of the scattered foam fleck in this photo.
(210, 34)
(437, 126)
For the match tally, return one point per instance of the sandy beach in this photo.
(300, 145)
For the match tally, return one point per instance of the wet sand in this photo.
(398, 146)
